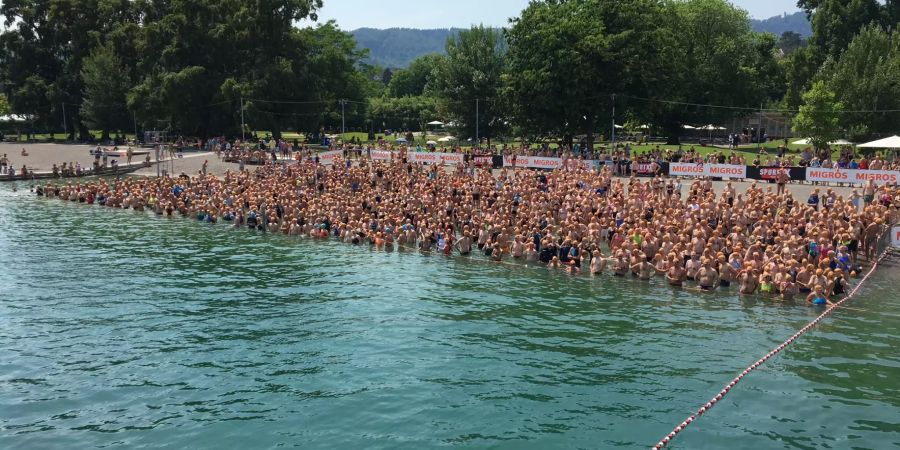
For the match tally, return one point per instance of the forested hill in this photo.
(796, 22)
(397, 47)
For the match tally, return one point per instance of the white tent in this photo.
(711, 127)
(688, 127)
(891, 142)
(13, 118)
(436, 123)
(837, 142)
(447, 139)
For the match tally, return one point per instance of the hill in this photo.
(796, 22)
(397, 47)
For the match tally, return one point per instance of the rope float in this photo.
(712, 402)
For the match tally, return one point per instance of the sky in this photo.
(353, 14)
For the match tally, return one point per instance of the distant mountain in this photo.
(796, 22)
(397, 47)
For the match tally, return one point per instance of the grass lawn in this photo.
(748, 150)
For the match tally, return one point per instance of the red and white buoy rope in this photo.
(666, 440)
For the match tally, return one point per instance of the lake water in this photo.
(120, 330)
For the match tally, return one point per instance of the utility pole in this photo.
(343, 121)
(65, 124)
(242, 119)
(134, 117)
(759, 129)
(477, 140)
(613, 134)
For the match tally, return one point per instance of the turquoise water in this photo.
(119, 329)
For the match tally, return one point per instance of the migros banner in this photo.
(855, 176)
(707, 170)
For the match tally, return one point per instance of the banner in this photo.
(857, 176)
(643, 168)
(381, 155)
(707, 170)
(435, 158)
(771, 173)
(484, 160)
(328, 157)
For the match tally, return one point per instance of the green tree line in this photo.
(558, 70)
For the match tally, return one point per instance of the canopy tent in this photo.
(688, 127)
(837, 142)
(711, 127)
(14, 118)
(447, 139)
(436, 123)
(891, 142)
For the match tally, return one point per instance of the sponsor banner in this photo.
(895, 236)
(771, 173)
(381, 155)
(484, 160)
(707, 170)
(586, 164)
(328, 157)
(643, 168)
(856, 176)
(451, 158)
(435, 158)
(543, 162)
(533, 162)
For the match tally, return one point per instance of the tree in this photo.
(468, 81)
(403, 113)
(789, 42)
(414, 80)
(866, 77)
(835, 22)
(820, 116)
(43, 48)
(718, 61)
(567, 59)
(4, 105)
(105, 86)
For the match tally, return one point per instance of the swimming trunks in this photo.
(724, 283)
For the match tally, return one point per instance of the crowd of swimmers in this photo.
(764, 241)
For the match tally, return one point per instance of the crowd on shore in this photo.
(764, 241)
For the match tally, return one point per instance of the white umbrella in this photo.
(14, 118)
(688, 127)
(447, 139)
(431, 143)
(891, 142)
(837, 142)
(619, 127)
(436, 123)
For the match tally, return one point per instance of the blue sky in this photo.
(353, 14)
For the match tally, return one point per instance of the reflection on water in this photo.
(123, 329)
